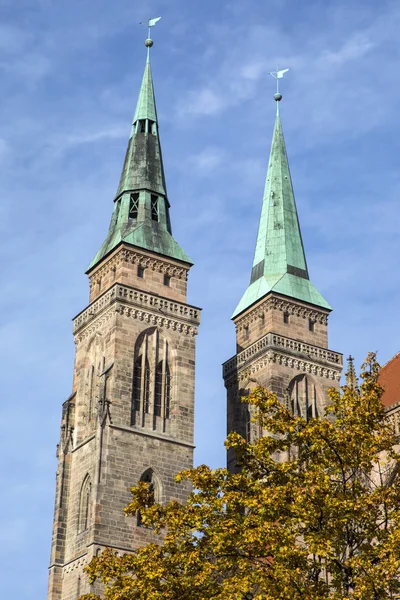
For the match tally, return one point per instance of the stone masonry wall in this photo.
(105, 448)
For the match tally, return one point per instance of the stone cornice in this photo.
(156, 305)
(277, 303)
(123, 300)
(277, 348)
(294, 363)
(129, 255)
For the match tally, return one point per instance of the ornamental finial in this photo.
(149, 42)
(278, 74)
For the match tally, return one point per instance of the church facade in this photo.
(130, 416)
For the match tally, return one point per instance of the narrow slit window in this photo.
(158, 390)
(286, 317)
(142, 126)
(167, 391)
(154, 207)
(167, 280)
(137, 379)
(133, 206)
(311, 325)
(246, 332)
(140, 272)
(151, 123)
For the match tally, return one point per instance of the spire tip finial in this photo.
(148, 43)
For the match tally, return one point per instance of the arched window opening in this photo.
(133, 206)
(154, 207)
(84, 504)
(303, 397)
(151, 384)
(154, 488)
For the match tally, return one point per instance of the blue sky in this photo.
(70, 74)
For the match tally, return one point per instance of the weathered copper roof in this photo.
(141, 206)
(279, 263)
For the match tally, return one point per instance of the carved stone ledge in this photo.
(276, 303)
(117, 308)
(156, 320)
(273, 341)
(135, 257)
(159, 306)
(242, 373)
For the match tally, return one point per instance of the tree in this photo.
(313, 513)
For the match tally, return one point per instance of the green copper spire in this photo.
(279, 263)
(141, 206)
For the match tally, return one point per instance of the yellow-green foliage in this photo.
(320, 522)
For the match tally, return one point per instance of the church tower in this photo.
(130, 414)
(282, 320)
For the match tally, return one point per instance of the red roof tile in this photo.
(389, 379)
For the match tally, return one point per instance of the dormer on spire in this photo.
(279, 263)
(141, 206)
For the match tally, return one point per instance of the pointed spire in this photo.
(351, 377)
(279, 263)
(141, 206)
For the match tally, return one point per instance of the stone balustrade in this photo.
(279, 342)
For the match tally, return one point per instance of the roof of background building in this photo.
(389, 379)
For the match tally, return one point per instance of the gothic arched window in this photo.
(84, 504)
(155, 490)
(303, 397)
(152, 381)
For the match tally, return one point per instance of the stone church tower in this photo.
(130, 414)
(282, 320)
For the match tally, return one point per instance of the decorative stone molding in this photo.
(131, 256)
(160, 306)
(274, 341)
(292, 362)
(95, 325)
(76, 564)
(162, 266)
(276, 303)
(159, 321)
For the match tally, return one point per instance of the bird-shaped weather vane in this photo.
(150, 23)
(278, 74)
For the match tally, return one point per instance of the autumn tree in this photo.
(313, 513)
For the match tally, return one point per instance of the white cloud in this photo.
(206, 161)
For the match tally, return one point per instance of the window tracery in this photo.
(152, 381)
(303, 397)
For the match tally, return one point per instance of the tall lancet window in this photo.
(303, 397)
(152, 381)
(84, 504)
(162, 390)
